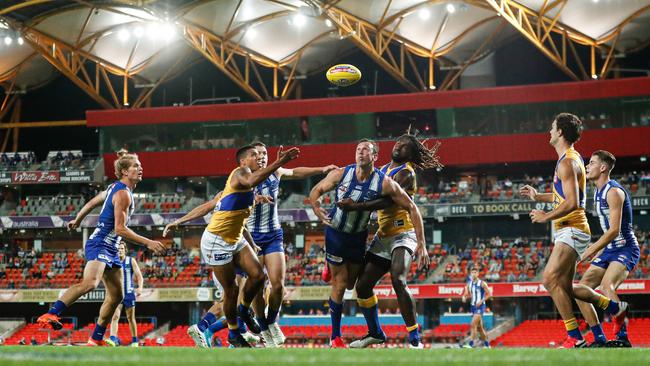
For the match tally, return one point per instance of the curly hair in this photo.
(424, 157)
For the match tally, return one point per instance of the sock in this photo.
(262, 323)
(246, 304)
(610, 306)
(622, 333)
(218, 325)
(486, 343)
(114, 339)
(272, 316)
(336, 311)
(414, 334)
(98, 333)
(241, 325)
(208, 319)
(233, 330)
(571, 326)
(471, 343)
(369, 310)
(599, 336)
(134, 339)
(58, 307)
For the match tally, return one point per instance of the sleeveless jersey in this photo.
(395, 220)
(348, 187)
(477, 291)
(231, 212)
(105, 231)
(577, 218)
(127, 271)
(626, 235)
(264, 218)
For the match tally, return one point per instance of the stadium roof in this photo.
(264, 45)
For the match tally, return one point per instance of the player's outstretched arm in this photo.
(96, 201)
(245, 179)
(405, 180)
(568, 173)
(615, 200)
(305, 172)
(121, 203)
(137, 275)
(196, 212)
(324, 186)
(401, 199)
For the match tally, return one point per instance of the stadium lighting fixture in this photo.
(138, 31)
(168, 31)
(21, 41)
(153, 30)
(251, 33)
(299, 20)
(8, 40)
(328, 23)
(451, 8)
(424, 14)
(123, 35)
(594, 76)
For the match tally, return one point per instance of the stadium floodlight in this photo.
(138, 31)
(424, 14)
(328, 23)
(168, 31)
(451, 8)
(299, 20)
(8, 40)
(251, 33)
(123, 35)
(20, 41)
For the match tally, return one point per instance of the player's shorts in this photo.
(129, 301)
(575, 238)
(477, 310)
(269, 242)
(627, 255)
(100, 251)
(341, 247)
(216, 252)
(383, 247)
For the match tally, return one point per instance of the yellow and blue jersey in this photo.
(231, 212)
(577, 218)
(395, 220)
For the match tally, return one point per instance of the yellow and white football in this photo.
(343, 74)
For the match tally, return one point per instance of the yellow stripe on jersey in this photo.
(231, 213)
(395, 220)
(576, 218)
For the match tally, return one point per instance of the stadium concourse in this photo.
(120, 117)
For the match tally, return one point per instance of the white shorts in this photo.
(383, 247)
(216, 252)
(575, 238)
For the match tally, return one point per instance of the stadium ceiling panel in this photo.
(265, 45)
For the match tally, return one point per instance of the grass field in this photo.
(59, 356)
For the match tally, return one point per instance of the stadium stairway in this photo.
(440, 271)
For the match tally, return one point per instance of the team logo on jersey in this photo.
(222, 256)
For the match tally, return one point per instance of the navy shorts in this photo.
(627, 255)
(100, 251)
(269, 242)
(477, 310)
(129, 301)
(342, 247)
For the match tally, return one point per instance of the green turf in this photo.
(59, 356)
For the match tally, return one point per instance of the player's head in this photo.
(128, 166)
(409, 149)
(367, 152)
(474, 273)
(121, 249)
(565, 127)
(262, 154)
(601, 163)
(247, 157)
